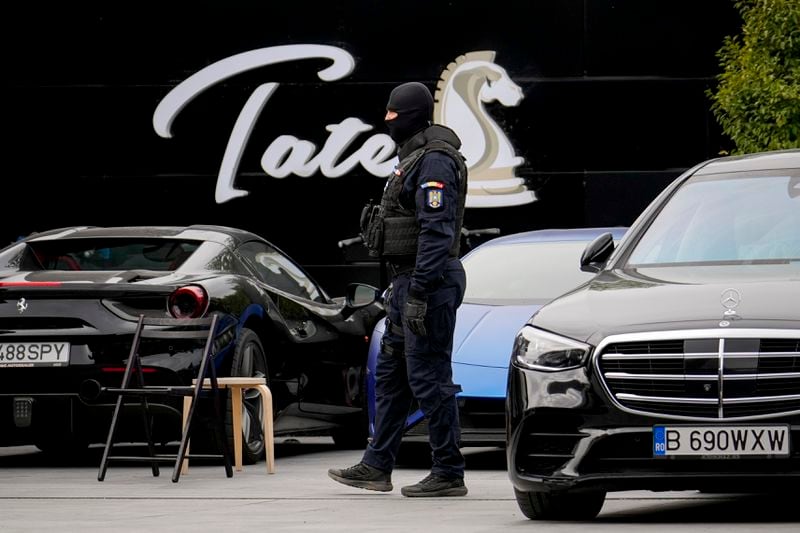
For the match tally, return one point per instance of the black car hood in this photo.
(676, 297)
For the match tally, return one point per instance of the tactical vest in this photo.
(400, 226)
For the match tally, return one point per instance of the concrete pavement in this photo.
(38, 493)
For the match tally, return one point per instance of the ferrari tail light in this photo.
(190, 301)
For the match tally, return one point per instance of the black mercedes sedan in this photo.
(677, 367)
(70, 300)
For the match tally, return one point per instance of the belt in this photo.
(396, 329)
(392, 352)
(395, 269)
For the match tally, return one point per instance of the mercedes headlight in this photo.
(540, 350)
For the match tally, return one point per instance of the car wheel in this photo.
(560, 505)
(353, 435)
(249, 360)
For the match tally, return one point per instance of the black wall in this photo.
(614, 107)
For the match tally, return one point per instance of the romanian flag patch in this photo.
(434, 184)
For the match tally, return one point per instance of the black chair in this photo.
(133, 385)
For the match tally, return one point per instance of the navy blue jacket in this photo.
(432, 190)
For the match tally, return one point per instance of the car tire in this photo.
(355, 434)
(249, 360)
(560, 505)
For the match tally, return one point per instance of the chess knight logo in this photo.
(466, 84)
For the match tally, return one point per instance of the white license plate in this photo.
(34, 354)
(721, 441)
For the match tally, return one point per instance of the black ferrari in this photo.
(70, 300)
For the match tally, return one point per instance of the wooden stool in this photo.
(237, 386)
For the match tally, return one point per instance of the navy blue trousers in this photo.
(419, 368)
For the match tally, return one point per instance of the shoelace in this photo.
(429, 479)
(358, 469)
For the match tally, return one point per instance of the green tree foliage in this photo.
(757, 101)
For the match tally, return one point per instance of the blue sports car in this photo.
(508, 279)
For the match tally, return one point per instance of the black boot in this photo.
(362, 476)
(436, 485)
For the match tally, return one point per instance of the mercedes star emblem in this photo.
(731, 298)
(22, 305)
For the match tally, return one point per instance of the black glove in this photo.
(415, 315)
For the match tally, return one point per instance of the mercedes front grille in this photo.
(703, 374)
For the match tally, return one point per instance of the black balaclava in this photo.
(413, 104)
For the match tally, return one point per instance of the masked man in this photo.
(417, 231)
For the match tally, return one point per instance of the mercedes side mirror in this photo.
(597, 253)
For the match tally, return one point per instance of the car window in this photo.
(524, 271)
(11, 256)
(277, 270)
(737, 218)
(106, 254)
